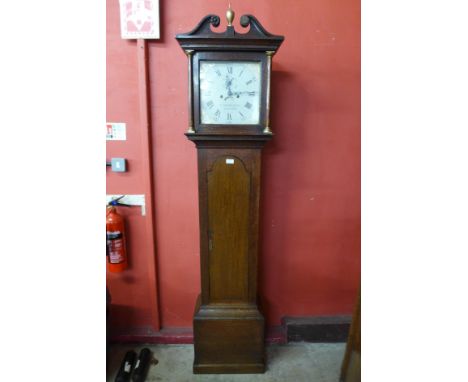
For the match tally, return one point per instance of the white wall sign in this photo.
(139, 19)
(116, 131)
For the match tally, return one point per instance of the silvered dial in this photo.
(230, 92)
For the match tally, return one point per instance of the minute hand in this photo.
(245, 92)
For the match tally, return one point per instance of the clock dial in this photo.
(230, 92)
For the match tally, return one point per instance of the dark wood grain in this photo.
(228, 326)
(228, 229)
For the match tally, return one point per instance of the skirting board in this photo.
(317, 329)
(293, 329)
(274, 335)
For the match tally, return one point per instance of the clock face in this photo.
(230, 92)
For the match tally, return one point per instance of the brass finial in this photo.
(230, 15)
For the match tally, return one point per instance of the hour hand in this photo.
(228, 87)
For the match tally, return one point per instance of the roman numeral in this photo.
(240, 74)
(229, 117)
(210, 104)
(248, 105)
(217, 114)
(251, 93)
(250, 81)
(218, 72)
(229, 69)
(242, 115)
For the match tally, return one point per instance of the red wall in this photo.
(310, 258)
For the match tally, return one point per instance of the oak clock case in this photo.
(228, 102)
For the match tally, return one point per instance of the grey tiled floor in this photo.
(295, 362)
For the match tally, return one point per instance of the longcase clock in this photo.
(229, 108)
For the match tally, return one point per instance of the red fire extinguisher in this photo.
(115, 239)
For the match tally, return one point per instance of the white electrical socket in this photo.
(118, 164)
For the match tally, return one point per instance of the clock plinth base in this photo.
(228, 339)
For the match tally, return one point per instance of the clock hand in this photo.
(245, 92)
(229, 84)
(237, 94)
